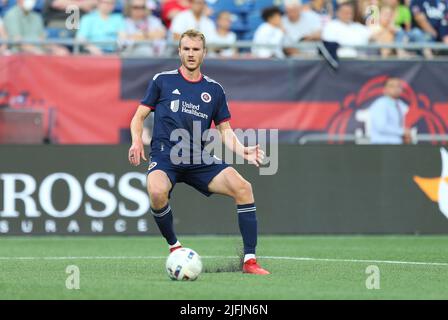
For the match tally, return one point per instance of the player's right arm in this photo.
(137, 150)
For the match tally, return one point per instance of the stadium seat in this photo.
(6, 7)
(119, 6)
(234, 6)
(39, 6)
(247, 36)
(58, 33)
(259, 5)
(254, 20)
(239, 24)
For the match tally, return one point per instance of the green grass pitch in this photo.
(303, 267)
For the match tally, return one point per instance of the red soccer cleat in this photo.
(251, 266)
(175, 248)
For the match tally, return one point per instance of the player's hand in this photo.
(254, 155)
(136, 153)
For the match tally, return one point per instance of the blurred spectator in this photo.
(403, 16)
(54, 11)
(23, 24)
(141, 25)
(3, 36)
(431, 16)
(387, 116)
(224, 36)
(324, 8)
(403, 20)
(383, 31)
(269, 33)
(430, 21)
(300, 25)
(171, 8)
(344, 31)
(195, 18)
(101, 25)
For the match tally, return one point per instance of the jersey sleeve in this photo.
(222, 112)
(152, 94)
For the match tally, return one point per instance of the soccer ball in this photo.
(184, 264)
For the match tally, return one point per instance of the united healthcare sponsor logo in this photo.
(101, 203)
(436, 188)
(190, 108)
(174, 105)
(193, 109)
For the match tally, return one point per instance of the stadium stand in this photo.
(254, 20)
(234, 6)
(39, 6)
(246, 18)
(260, 5)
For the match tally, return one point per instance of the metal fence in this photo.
(370, 50)
(360, 138)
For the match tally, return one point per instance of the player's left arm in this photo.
(253, 154)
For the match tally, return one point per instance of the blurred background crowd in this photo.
(269, 28)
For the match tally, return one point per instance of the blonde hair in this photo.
(193, 34)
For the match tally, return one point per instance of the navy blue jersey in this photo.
(182, 104)
(436, 11)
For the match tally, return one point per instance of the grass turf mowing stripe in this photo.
(231, 257)
(109, 272)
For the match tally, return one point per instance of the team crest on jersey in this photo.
(152, 165)
(174, 105)
(206, 97)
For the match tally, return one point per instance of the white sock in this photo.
(177, 244)
(248, 256)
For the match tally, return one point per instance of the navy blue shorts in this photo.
(198, 176)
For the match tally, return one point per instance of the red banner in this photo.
(84, 92)
(94, 98)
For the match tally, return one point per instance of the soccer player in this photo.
(184, 99)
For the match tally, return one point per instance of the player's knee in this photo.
(158, 196)
(244, 190)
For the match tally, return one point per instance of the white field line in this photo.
(444, 264)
